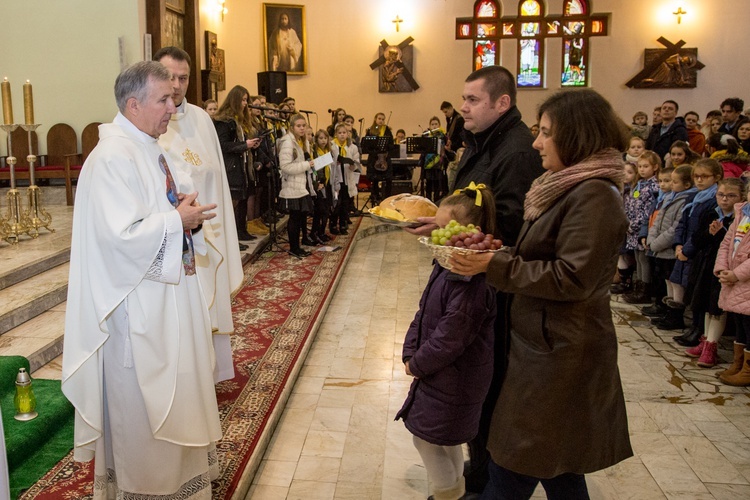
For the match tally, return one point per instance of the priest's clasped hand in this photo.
(191, 213)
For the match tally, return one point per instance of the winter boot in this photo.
(672, 320)
(690, 338)
(640, 295)
(655, 310)
(709, 356)
(736, 365)
(626, 284)
(741, 378)
(697, 351)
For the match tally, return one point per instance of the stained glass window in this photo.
(574, 8)
(575, 46)
(529, 29)
(530, 45)
(485, 54)
(486, 8)
(531, 8)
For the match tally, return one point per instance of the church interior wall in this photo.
(71, 52)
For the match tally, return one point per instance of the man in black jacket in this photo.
(499, 154)
(672, 128)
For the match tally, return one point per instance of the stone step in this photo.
(33, 296)
(39, 339)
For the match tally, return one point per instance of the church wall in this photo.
(69, 50)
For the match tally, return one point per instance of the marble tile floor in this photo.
(337, 439)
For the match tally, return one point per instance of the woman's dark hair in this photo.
(483, 215)
(724, 141)
(583, 123)
(736, 128)
(231, 109)
(690, 156)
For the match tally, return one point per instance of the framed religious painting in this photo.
(285, 38)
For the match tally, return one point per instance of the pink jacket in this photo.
(736, 297)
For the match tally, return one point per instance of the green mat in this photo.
(33, 447)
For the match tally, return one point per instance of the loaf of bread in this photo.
(406, 207)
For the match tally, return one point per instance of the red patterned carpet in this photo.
(274, 315)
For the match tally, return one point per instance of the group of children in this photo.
(685, 250)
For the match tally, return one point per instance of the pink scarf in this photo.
(550, 186)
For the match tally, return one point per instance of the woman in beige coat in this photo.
(561, 411)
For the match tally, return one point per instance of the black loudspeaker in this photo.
(272, 85)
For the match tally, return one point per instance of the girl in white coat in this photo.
(296, 181)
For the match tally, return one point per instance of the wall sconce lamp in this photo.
(397, 22)
(679, 14)
(221, 8)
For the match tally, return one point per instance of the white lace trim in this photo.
(156, 270)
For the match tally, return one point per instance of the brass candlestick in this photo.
(12, 226)
(36, 216)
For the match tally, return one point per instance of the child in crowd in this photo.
(636, 147)
(706, 173)
(626, 261)
(733, 270)
(660, 233)
(638, 208)
(297, 189)
(324, 192)
(345, 178)
(640, 127)
(696, 139)
(211, 107)
(681, 154)
(448, 350)
(704, 286)
(726, 150)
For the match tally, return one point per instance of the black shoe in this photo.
(308, 242)
(673, 320)
(243, 235)
(349, 221)
(300, 253)
(343, 230)
(243, 247)
(335, 231)
(324, 238)
(690, 338)
(655, 310)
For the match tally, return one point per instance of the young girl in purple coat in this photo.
(449, 351)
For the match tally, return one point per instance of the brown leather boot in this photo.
(736, 365)
(742, 378)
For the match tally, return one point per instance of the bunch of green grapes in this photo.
(470, 236)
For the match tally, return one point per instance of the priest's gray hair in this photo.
(133, 81)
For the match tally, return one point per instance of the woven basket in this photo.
(442, 253)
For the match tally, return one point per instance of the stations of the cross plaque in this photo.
(530, 28)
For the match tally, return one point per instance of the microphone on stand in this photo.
(306, 112)
(361, 120)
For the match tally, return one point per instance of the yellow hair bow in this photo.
(473, 187)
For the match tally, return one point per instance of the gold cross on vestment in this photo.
(192, 158)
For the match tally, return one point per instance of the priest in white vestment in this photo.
(138, 359)
(194, 149)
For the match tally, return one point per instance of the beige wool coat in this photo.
(561, 408)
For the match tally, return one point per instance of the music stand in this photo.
(423, 145)
(374, 144)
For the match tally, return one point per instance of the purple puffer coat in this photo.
(449, 346)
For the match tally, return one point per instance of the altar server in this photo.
(194, 149)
